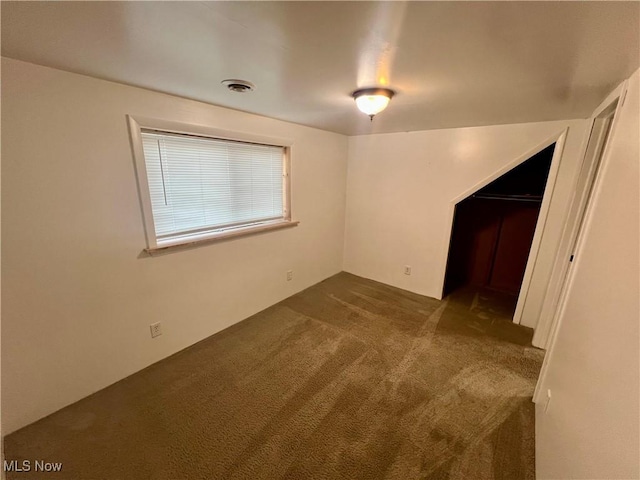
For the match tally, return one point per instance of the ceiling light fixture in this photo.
(372, 100)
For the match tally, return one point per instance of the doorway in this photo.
(493, 230)
(600, 131)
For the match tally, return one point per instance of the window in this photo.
(197, 187)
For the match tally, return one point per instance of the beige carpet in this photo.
(349, 379)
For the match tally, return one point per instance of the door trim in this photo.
(573, 237)
(540, 226)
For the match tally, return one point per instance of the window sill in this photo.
(219, 236)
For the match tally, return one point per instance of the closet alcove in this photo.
(493, 229)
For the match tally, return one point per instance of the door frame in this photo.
(563, 272)
(593, 159)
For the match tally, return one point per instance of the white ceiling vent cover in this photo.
(238, 86)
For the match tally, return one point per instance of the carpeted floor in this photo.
(349, 379)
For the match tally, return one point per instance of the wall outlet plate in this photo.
(407, 270)
(289, 275)
(156, 329)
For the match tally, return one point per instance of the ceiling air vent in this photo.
(238, 86)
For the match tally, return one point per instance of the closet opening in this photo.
(492, 234)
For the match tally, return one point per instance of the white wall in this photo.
(590, 430)
(400, 189)
(77, 299)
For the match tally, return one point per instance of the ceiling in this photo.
(453, 64)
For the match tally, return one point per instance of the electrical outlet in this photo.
(156, 329)
(289, 275)
(407, 270)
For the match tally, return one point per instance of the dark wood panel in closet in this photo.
(491, 243)
(518, 224)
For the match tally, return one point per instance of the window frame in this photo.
(138, 124)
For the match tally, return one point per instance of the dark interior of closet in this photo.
(493, 230)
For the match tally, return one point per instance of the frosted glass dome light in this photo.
(372, 100)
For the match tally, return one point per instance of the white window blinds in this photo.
(200, 185)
